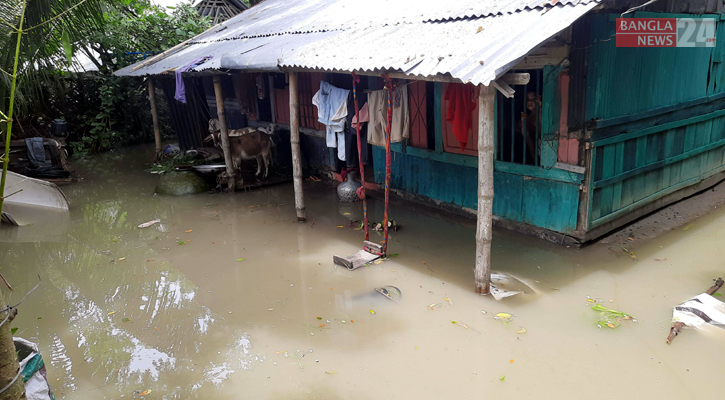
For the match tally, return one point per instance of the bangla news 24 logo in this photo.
(666, 32)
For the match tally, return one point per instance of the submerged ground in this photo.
(230, 298)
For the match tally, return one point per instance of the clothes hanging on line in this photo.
(364, 115)
(378, 108)
(460, 105)
(331, 103)
(351, 156)
(180, 94)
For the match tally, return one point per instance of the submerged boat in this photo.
(33, 209)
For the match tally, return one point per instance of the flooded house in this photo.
(570, 134)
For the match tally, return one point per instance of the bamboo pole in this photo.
(155, 119)
(294, 117)
(484, 224)
(224, 134)
(9, 116)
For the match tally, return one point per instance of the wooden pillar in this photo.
(224, 134)
(294, 137)
(155, 119)
(484, 225)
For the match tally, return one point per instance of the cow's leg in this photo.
(265, 156)
(260, 160)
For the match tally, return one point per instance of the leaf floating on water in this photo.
(660, 259)
(631, 254)
(111, 313)
(340, 226)
(331, 372)
(454, 322)
(13, 330)
(687, 227)
(502, 378)
(187, 231)
(240, 259)
(125, 319)
(448, 300)
(181, 242)
(372, 312)
(503, 317)
(522, 330)
(122, 258)
(318, 317)
(717, 294)
(145, 392)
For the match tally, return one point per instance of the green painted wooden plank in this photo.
(550, 113)
(553, 174)
(590, 190)
(618, 168)
(438, 118)
(551, 205)
(705, 129)
(450, 158)
(509, 195)
(689, 168)
(668, 153)
(638, 184)
(605, 206)
(658, 128)
(655, 196)
(657, 164)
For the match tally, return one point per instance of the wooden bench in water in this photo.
(369, 253)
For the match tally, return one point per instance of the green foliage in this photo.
(118, 111)
(139, 28)
(167, 165)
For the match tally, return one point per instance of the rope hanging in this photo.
(361, 191)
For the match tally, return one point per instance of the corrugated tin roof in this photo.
(420, 37)
(476, 50)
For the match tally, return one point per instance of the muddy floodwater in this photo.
(229, 298)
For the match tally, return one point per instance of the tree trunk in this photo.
(155, 119)
(9, 366)
(484, 223)
(294, 138)
(224, 134)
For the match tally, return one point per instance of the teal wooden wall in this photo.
(658, 118)
(624, 81)
(546, 198)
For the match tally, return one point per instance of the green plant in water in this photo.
(609, 318)
(168, 164)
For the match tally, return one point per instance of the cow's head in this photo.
(214, 132)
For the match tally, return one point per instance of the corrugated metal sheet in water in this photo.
(474, 51)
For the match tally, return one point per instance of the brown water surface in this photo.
(229, 298)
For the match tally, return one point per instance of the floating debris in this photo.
(503, 317)
(609, 318)
(522, 330)
(150, 223)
